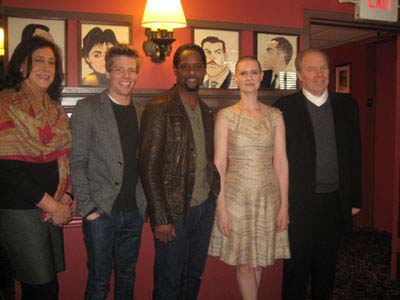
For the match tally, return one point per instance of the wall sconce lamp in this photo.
(1, 38)
(1, 41)
(160, 18)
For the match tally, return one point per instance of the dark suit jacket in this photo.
(300, 144)
(266, 81)
(227, 81)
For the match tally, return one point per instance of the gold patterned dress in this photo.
(251, 193)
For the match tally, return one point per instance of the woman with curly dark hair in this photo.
(34, 175)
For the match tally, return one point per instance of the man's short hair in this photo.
(213, 40)
(120, 50)
(192, 47)
(301, 54)
(30, 29)
(285, 46)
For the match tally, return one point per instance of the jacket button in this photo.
(116, 183)
(120, 163)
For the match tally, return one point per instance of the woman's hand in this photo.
(282, 220)
(67, 200)
(224, 222)
(61, 215)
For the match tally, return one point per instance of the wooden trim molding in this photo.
(215, 98)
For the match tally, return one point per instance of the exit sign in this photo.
(379, 10)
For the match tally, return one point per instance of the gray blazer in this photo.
(96, 159)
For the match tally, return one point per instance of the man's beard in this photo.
(192, 88)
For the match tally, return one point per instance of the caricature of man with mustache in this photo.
(218, 73)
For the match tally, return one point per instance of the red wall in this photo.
(219, 279)
(356, 54)
(385, 134)
(373, 76)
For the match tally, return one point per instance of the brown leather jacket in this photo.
(167, 157)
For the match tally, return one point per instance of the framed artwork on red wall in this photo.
(222, 49)
(276, 53)
(95, 39)
(343, 78)
(21, 28)
(61, 26)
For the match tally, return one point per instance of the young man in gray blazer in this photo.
(105, 177)
(324, 154)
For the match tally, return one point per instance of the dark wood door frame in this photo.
(342, 20)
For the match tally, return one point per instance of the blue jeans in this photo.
(179, 264)
(112, 238)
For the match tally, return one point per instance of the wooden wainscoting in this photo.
(215, 98)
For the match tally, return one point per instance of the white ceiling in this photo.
(324, 37)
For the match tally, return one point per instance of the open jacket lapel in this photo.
(302, 106)
(110, 127)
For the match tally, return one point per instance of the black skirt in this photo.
(35, 249)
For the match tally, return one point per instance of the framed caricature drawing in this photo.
(222, 52)
(22, 28)
(95, 39)
(276, 54)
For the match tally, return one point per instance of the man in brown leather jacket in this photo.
(179, 178)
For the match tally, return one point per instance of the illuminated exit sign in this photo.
(379, 10)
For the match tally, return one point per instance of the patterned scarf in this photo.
(35, 129)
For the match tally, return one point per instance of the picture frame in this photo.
(222, 49)
(92, 55)
(276, 53)
(343, 78)
(15, 25)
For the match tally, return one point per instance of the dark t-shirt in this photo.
(127, 123)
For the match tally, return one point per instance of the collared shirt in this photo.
(201, 188)
(316, 100)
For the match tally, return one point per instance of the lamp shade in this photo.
(163, 14)
(1, 41)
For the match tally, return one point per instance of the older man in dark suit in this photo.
(323, 148)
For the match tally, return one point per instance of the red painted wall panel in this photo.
(356, 54)
(219, 280)
(377, 124)
(385, 135)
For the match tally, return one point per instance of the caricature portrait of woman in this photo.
(95, 45)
